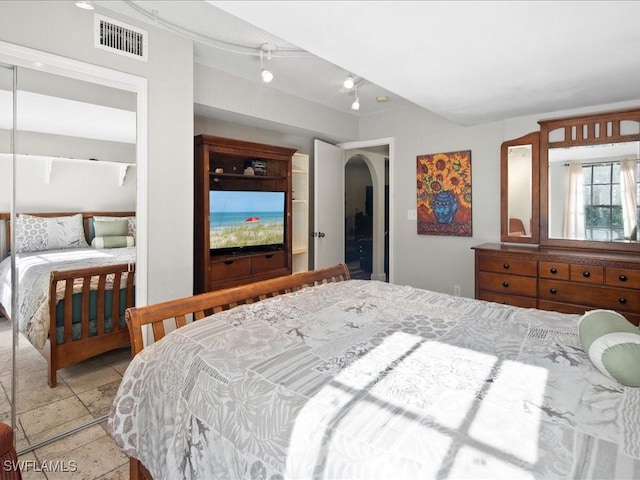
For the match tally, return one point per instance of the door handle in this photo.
(318, 234)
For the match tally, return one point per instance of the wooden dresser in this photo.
(558, 279)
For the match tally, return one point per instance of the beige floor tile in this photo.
(98, 400)
(59, 448)
(93, 378)
(52, 416)
(28, 400)
(93, 460)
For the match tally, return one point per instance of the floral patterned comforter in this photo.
(363, 379)
(34, 271)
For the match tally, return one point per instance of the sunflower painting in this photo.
(444, 194)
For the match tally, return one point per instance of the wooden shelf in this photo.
(238, 176)
(300, 211)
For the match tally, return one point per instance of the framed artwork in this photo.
(444, 194)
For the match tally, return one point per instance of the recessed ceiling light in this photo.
(382, 99)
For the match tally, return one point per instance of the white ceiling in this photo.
(470, 62)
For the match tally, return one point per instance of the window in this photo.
(603, 212)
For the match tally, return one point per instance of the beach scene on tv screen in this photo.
(245, 219)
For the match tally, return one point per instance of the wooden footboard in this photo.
(85, 345)
(202, 305)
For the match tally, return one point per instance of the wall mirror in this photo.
(60, 166)
(520, 189)
(590, 181)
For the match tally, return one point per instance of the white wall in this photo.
(63, 29)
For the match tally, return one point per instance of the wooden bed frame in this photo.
(74, 351)
(177, 312)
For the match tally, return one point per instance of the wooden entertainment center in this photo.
(220, 163)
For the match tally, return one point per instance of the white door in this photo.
(328, 226)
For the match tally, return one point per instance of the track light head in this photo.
(267, 76)
(356, 103)
(348, 83)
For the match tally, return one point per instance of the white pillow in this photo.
(113, 241)
(36, 234)
(612, 344)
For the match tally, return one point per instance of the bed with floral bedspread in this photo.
(364, 379)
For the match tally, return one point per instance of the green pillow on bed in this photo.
(613, 345)
(112, 228)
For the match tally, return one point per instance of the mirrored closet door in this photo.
(75, 197)
(7, 122)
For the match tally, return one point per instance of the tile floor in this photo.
(84, 392)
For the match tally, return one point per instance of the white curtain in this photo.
(628, 168)
(574, 203)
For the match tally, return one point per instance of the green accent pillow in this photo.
(113, 241)
(612, 344)
(109, 229)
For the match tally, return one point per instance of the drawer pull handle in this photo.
(506, 266)
(586, 274)
(622, 300)
(553, 270)
(228, 262)
(505, 284)
(623, 278)
(268, 255)
(553, 291)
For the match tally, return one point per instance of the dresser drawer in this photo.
(515, 300)
(230, 268)
(508, 284)
(268, 262)
(559, 271)
(595, 296)
(621, 277)
(587, 274)
(486, 263)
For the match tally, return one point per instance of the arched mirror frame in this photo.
(532, 139)
(602, 128)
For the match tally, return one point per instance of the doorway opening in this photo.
(367, 213)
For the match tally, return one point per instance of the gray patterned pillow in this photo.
(36, 234)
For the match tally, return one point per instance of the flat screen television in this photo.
(246, 220)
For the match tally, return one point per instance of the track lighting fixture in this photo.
(84, 5)
(356, 103)
(267, 75)
(349, 83)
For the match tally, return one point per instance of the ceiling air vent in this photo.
(118, 37)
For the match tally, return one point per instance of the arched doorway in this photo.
(367, 214)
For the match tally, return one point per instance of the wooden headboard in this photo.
(6, 217)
